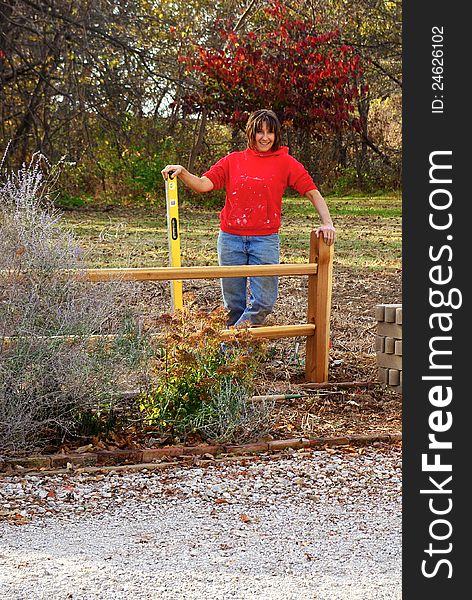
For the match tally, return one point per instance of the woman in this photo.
(255, 180)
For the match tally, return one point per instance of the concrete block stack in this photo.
(388, 344)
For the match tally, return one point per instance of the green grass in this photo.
(387, 205)
(368, 233)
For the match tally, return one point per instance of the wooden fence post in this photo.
(319, 310)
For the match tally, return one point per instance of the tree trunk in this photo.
(198, 140)
(49, 65)
(362, 164)
(5, 50)
(340, 150)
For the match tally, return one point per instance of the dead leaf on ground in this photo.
(87, 448)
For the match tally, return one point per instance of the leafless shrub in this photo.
(50, 372)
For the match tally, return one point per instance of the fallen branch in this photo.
(340, 384)
(278, 397)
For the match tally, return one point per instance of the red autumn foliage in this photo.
(308, 79)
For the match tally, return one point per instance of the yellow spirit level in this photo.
(173, 232)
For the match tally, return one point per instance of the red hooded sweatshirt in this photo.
(255, 183)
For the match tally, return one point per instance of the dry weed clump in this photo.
(51, 375)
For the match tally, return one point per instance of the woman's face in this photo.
(264, 139)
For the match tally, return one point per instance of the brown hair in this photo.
(254, 125)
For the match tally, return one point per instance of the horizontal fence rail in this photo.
(209, 272)
(266, 332)
(275, 331)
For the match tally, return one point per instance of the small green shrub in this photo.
(201, 384)
(143, 173)
(231, 415)
(68, 201)
(347, 181)
(119, 172)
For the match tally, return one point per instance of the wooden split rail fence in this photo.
(319, 271)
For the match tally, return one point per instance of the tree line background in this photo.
(117, 89)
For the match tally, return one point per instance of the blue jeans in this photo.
(248, 250)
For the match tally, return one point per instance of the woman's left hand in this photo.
(328, 232)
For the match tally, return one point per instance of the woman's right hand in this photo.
(197, 184)
(172, 171)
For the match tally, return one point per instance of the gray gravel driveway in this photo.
(314, 525)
